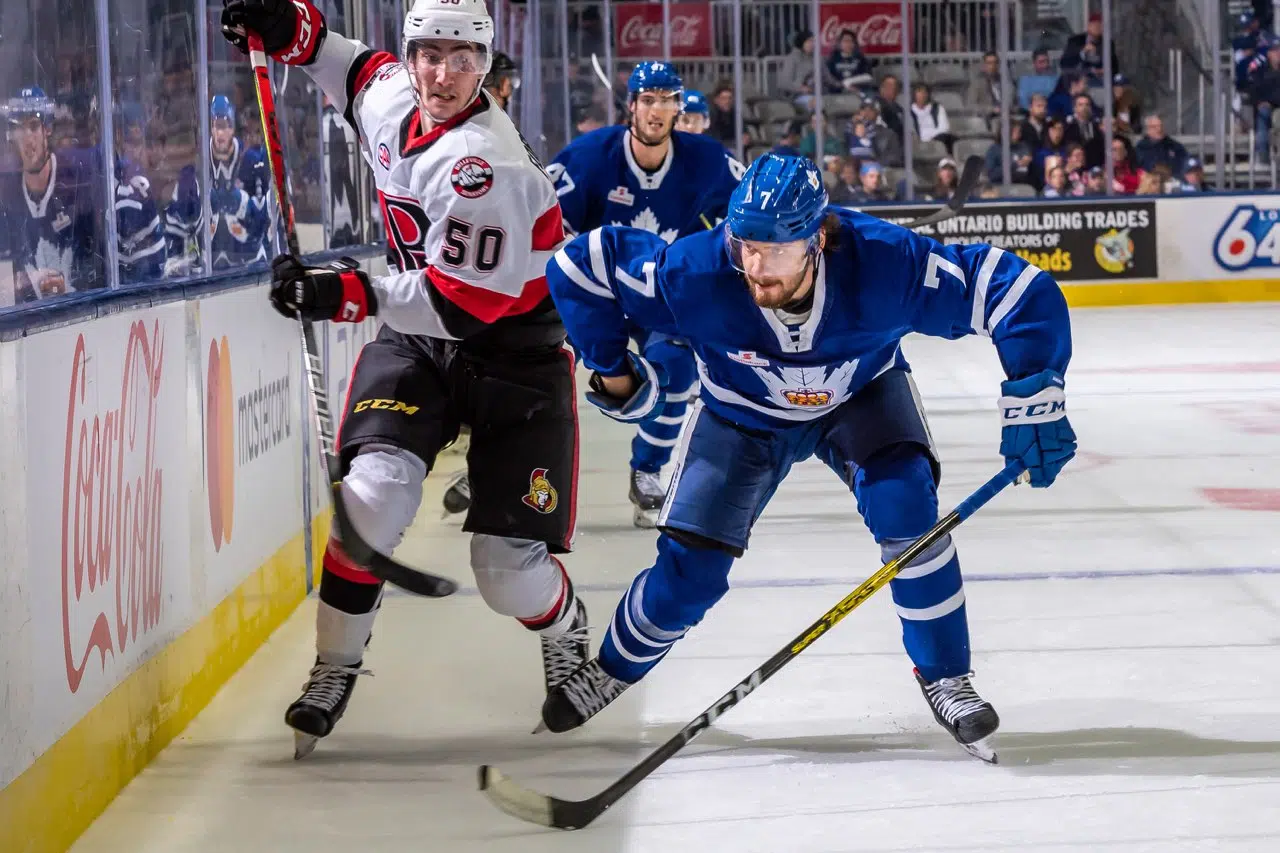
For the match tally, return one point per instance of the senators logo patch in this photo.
(384, 155)
(541, 496)
(472, 177)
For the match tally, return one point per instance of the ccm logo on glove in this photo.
(1046, 405)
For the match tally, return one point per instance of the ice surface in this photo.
(1126, 624)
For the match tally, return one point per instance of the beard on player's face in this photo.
(771, 291)
(652, 124)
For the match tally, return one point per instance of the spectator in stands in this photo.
(788, 144)
(945, 180)
(1096, 182)
(1151, 183)
(984, 89)
(1055, 182)
(1063, 100)
(1076, 168)
(795, 77)
(1021, 155)
(1126, 105)
(832, 144)
(1249, 44)
(1155, 148)
(872, 137)
(1192, 177)
(1041, 81)
(1083, 52)
(1124, 166)
(868, 185)
(720, 114)
(930, 117)
(1265, 93)
(1036, 122)
(1053, 146)
(1083, 129)
(848, 64)
(589, 118)
(890, 109)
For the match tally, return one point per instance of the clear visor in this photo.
(761, 259)
(456, 57)
(652, 99)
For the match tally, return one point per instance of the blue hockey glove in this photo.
(1033, 412)
(644, 403)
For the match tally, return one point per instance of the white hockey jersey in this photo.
(471, 216)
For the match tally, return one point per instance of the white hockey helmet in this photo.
(463, 20)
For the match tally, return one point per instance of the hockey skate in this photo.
(563, 654)
(457, 495)
(967, 716)
(322, 703)
(646, 497)
(579, 697)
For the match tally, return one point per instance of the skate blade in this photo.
(645, 519)
(983, 750)
(540, 728)
(303, 745)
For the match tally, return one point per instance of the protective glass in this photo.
(471, 59)
(768, 260)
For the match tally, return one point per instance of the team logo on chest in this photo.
(622, 195)
(542, 495)
(809, 387)
(647, 220)
(472, 177)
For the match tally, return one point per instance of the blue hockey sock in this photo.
(929, 595)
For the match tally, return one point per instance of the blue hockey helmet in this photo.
(31, 101)
(780, 199)
(660, 76)
(695, 103)
(222, 108)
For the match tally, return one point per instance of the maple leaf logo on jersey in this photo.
(808, 387)
(472, 177)
(647, 220)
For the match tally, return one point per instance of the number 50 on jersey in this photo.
(1251, 238)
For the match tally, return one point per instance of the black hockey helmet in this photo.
(503, 66)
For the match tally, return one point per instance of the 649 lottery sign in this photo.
(1250, 238)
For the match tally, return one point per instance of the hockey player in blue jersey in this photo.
(237, 202)
(796, 312)
(646, 175)
(695, 113)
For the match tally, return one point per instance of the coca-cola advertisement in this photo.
(637, 30)
(878, 26)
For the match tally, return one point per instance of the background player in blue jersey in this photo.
(695, 113)
(796, 312)
(237, 201)
(51, 207)
(646, 175)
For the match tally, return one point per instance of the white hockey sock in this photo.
(341, 637)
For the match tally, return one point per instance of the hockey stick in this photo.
(968, 182)
(531, 806)
(381, 567)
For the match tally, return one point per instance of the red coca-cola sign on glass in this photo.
(878, 26)
(637, 30)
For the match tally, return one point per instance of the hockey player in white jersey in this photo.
(470, 335)
(796, 312)
(646, 175)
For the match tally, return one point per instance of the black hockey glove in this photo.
(338, 291)
(292, 30)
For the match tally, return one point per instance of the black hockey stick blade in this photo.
(380, 566)
(534, 807)
(969, 179)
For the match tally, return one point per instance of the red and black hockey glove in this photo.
(291, 30)
(338, 291)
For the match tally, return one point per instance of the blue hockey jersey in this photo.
(238, 233)
(599, 183)
(876, 284)
(56, 235)
(139, 230)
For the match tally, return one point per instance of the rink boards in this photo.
(161, 505)
(153, 533)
